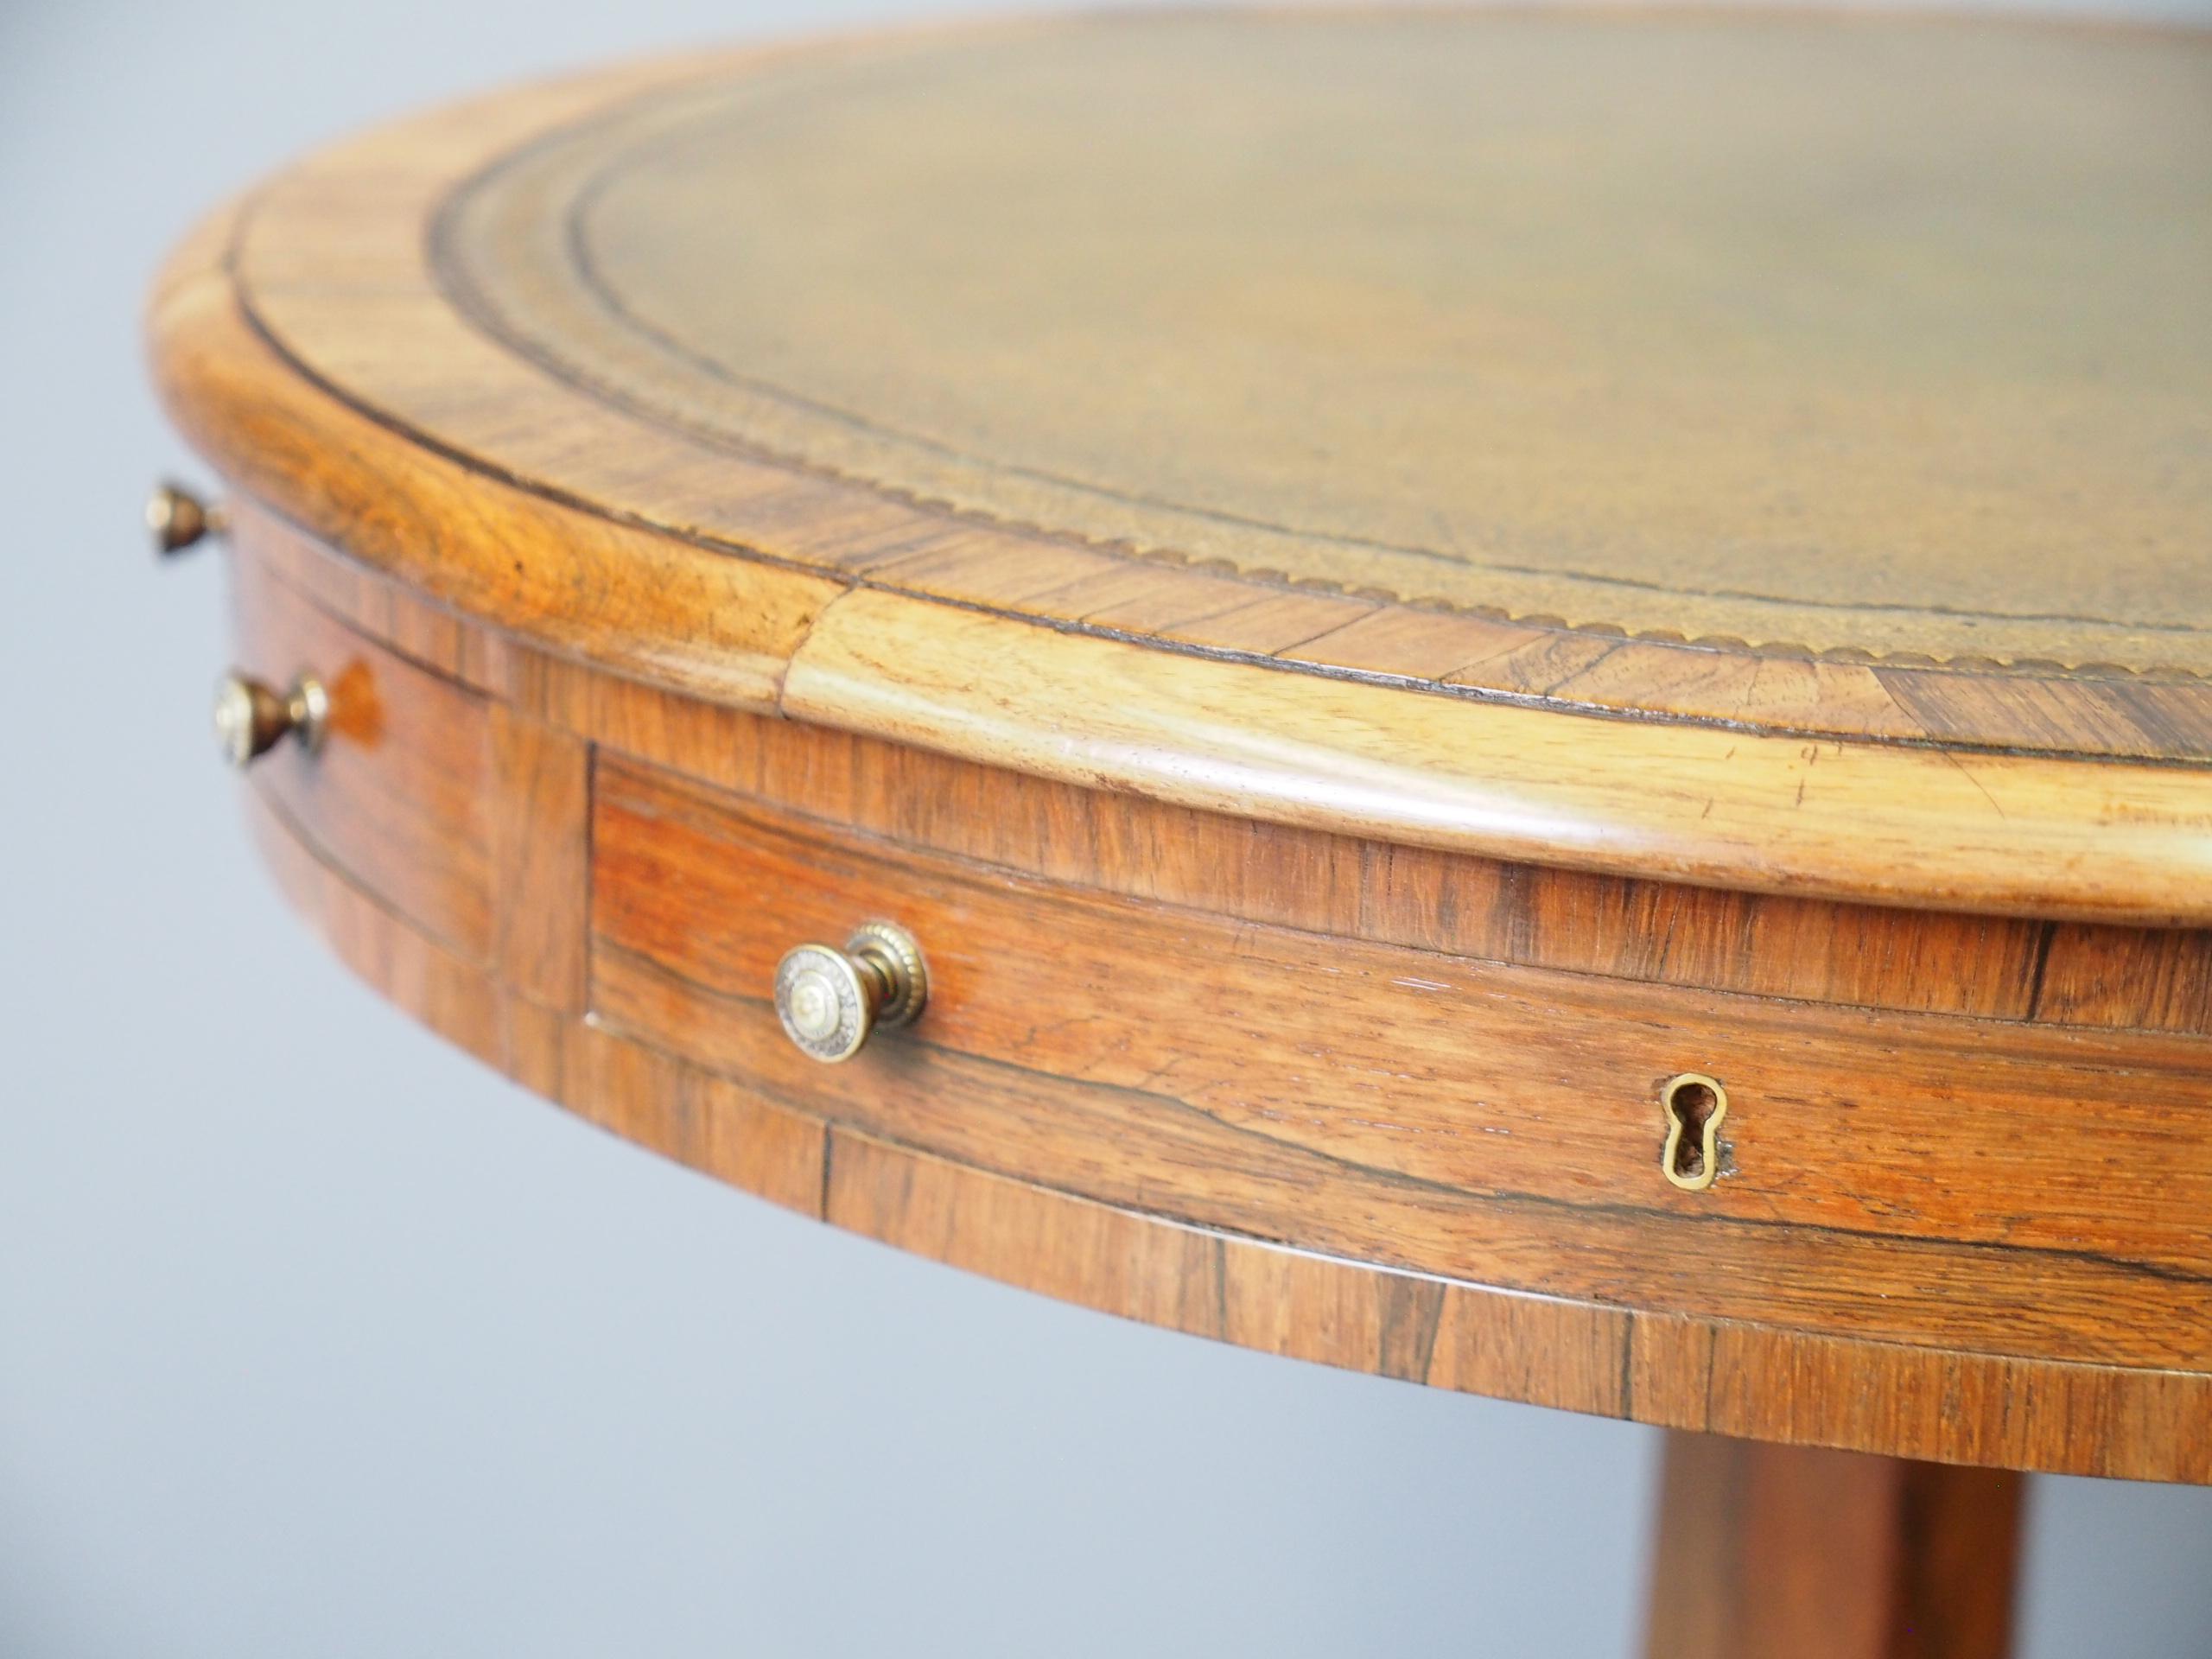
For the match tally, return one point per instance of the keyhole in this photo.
(1695, 1104)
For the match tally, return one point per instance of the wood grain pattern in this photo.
(1922, 1270)
(1890, 1176)
(1727, 1379)
(571, 580)
(677, 1110)
(541, 852)
(1772, 945)
(307, 343)
(1309, 947)
(399, 794)
(1770, 1552)
(1892, 825)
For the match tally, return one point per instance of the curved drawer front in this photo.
(1988, 1184)
(399, 794)
(1382, 1107)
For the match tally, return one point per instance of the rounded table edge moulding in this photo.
(2046, 836)
(1795, 1048)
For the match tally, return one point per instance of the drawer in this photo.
(397, 797)
(1904, 1176)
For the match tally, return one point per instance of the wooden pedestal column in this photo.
(1791, 1552)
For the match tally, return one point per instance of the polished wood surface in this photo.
(1435, 1112)
(399, 793)
(1367, 620)
(352, 342)
(1770, 1552)
(1389, 1109)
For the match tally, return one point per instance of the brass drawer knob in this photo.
(177, 519)
(829, 1000)
(251, 719)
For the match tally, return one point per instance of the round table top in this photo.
(1766, 450)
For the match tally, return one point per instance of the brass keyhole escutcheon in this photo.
(1695, 1105)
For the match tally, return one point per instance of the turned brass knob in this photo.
(829, 1000)
(177, 519)
(251, 719)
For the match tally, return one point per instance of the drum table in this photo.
(1515, 699)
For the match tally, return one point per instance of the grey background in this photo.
(316, 1339)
